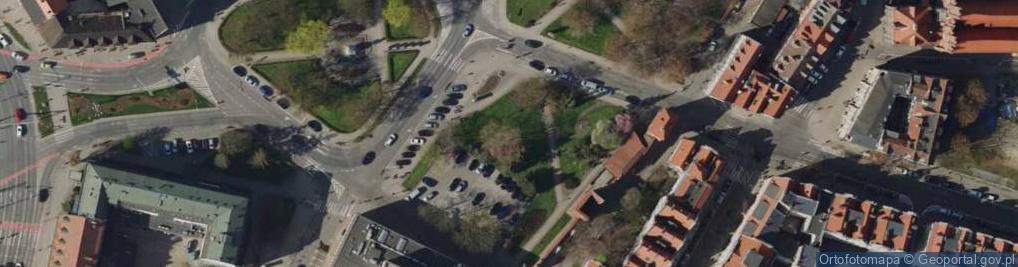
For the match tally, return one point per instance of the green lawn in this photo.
(574, 157)
(526, 12)
(507, 111)
(17, 36)
(428, 158)
(342, 109)
(417, 27)
(550, 236)
(45, 118)
(83, 106)
(262, 25)
(593, 42)
(399, 62)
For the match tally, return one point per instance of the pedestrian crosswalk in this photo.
(741, 170)
(804, 107)
(194, 76)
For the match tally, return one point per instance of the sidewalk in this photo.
(58, 106)
(561, 207)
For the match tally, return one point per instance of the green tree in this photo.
(309, 37)
(236, 142)
(477, 233)
(259, 160)
(605, 135)
(503, 143)
(221, 161)
(127, 144)
(397, 13)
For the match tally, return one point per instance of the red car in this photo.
(19, 115)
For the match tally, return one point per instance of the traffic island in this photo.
(85, 108)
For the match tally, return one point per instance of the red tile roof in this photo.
(76, 242)
(682, 154)
(625, 156)
(659, 127)
(842, 221)
(975, 26)
(887, 235)
(749, 245)
(737, 66)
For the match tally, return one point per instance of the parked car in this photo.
(240, 70)
(455, 183)
(167, 148)
(442, 109)
(537, 65)
(487, 170)
(46, 64)
(252, 80)
(591, 84)
(495, 209)
(19, 115)
(409, 154)
(480, 168)
(416, 193)
(990, 197)
(43, 194)
(605, 90)
(19, 56)
(431, 196)
(424, 91)
(551, 71)
(533, 43)
(455, 96)
(430, 124)
(4, 41)
(473, 165)
(315, 125)
(21, 130)
(450, 102)
(436, 116)
(190, 146)
(462, 185)
(431, 182)
(417, 141)
(213, 143)
(20, 68)
(266, 91)
(457, 88)
(391, 139)
(478, 199)
(973, 193)
(468, 30)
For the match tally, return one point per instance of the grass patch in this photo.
(17, 36)
(85, 108)
(576, 154)
(246, 31)
(593, 41)
(45, 117)
(541, 206)
(418, 26)
(399, 62)
(548, 237)
(342, 109)
(526, 12)
(428, 158)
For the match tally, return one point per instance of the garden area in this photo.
(526, 12)
(45, 123)
(399, 62)
(262, 25)
(343, 108)
(979, 129)
(592, 38)
(409, 19)
(85, 108)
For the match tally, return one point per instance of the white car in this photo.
(190, 146)
(391, 139)
(416, 193)
(417, 141)
(21, 130)
(48, 64)
(551, 71)
(4, 41)
(19, 56)
(431, 125)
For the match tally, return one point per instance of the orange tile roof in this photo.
(883, 232)
(625, 156)
(740, 61)
(650, 253)
(672, 237)
(1001, 245)
(744, 247)
(936, 237)
(840, 219)
(983, 26)
(684, 218)
(914, 25)
(592, 263)
(76, 242)
(683, 153)
(659, 127)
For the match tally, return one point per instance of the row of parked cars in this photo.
(180, 145)
(588, 86)
(981, 194)
(264, 89)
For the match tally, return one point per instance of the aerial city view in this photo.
(576, 133)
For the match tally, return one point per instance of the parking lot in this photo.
(462, 189)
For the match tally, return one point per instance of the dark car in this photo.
(283, 103)
(455, 96)
(474, 164)
(266, 90)
(455, 182)
(537, 64)
(533, 43)
(414, 148)
(461, 156)
(403, 162)
(468, 30)
(457, 88)
(424, 91)
(19, 115)
(368, 158)
(425, 133)
(495, 209)
(431, 182)
(451, 102)
(488, 170)
(315, 125)
(634, 100)
(409, 154)
(43, 194)
(20, 68)
(442, 109)
(240, 70)
(477, 199)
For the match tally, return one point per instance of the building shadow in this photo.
(183, 15)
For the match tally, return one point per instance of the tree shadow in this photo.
(183, 15)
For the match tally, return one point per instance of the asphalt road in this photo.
(19, 207)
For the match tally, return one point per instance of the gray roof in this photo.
(868, 128)
(753, 259)
(222, 214)
(94, 23)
